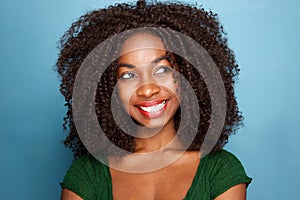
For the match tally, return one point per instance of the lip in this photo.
(152, 103)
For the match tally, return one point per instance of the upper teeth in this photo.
(154, 108)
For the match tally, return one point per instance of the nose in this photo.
(148, 90)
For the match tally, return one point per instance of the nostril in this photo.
(148, 90)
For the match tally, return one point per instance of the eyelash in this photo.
(132, 75)
(127, 73)
(165, 68)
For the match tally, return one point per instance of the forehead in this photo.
(141, 48)
(140, 41)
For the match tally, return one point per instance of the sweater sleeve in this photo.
(78, 178)
(226, 172)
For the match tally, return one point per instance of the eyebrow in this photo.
(155, 61)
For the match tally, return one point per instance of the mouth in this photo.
(153, 108)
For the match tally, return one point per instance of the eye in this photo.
(163, 69)
(127, 75)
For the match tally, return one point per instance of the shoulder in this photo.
(85, 176)
(222, 157)
(84, 165)
(224, 170)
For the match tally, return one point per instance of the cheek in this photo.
(172, 85)
(124, 94)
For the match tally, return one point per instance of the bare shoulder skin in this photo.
(237, 192)
(69, 195)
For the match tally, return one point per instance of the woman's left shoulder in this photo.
(224, 171)
(223, 156)
(224, 162)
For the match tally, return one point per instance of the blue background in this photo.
(263, 33)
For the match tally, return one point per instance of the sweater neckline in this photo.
(189, 191)
(196, 178)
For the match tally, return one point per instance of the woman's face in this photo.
(146, 83)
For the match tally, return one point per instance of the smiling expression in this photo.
(146, 84)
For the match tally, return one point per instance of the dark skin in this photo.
(175, 185)
(161, 184)
(173, 181)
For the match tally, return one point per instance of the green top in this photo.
(216, 173)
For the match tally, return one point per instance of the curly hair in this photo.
(96, 26)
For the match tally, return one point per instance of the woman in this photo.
(145, 106)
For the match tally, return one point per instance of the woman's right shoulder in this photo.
(86, 165)
(83, 164)
(86, 161)
(85, 175)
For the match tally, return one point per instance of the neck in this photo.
(157, 139)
